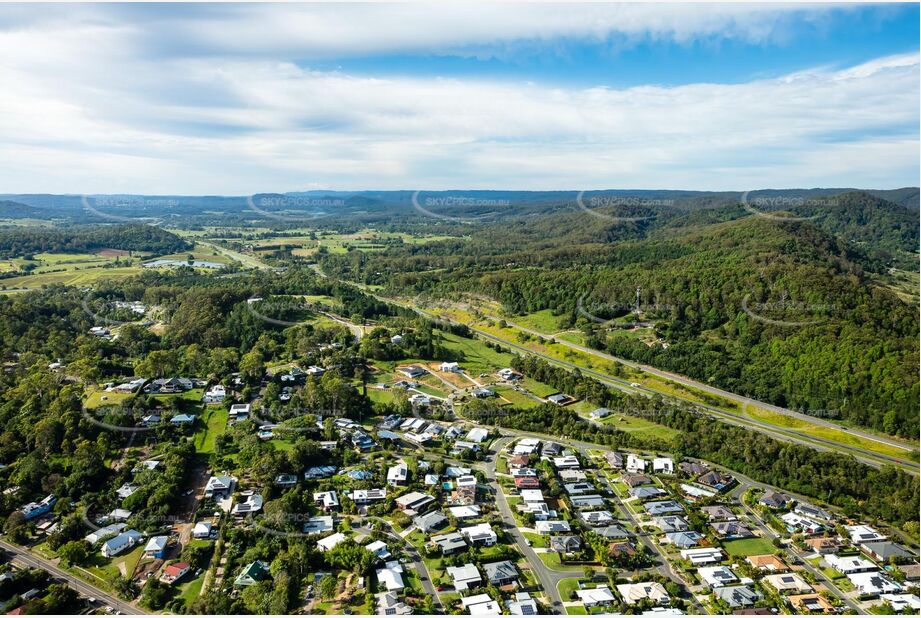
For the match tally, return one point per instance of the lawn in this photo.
(749, 547)
(641, 427)
(94, 398)
(82, 277)
(543, 321)
(215, 420)
(474, 356)
(567, 586)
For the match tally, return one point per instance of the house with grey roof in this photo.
(501, 573)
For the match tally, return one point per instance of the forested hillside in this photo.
(783, 311)
(16, 242)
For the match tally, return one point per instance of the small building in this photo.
(119, 543)
(449, 366)
(202, 530)
(465, 577)
(328, 543)
(430, 521)
(156, 547)
(480, 535)
(717, 576)
(327, 500)
(596, 597)
(501, 573)
(252, 573)
(175, 572)
(788, 583)
(391, 576)
(737, 596)
(450, 543)
(599, 413)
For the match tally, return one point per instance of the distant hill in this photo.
(16, 242)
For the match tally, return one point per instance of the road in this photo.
(549, 579)
(25, 558)
(425, 577)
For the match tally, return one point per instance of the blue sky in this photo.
(237, 99)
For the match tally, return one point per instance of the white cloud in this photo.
(89, 107)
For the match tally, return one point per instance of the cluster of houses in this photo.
(422, 432)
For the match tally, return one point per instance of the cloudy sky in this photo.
(241, 98)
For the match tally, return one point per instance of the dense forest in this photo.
(783, 311)
(23, 241)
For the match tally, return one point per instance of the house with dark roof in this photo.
(717, 479)
(775, 499)
(731, 530)
(565, 544)
(500, 573)
(737, 596)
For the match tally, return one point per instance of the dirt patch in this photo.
(112, 253)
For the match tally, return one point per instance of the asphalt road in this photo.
(26, 558)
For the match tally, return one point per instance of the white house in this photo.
(480, 534)
(850, 564)
(119, 543)
(391, 576)
(331, 541)
(873, 584)
(636, 464)
(452, 367)
(864, 534)
(663, 465)
(634, 593)
(594, 597)
(717, 576)
(202, 530)
(398, 474)
(464, 577)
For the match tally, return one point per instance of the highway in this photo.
(25, 558)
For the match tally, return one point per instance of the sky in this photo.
(235, 99)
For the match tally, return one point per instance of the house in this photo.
(389, 604)
(481, 605)
(873, 584)
(593, 501)
(480, 535)
(703, 556)
(573, 476)
(811, 603)
(37, 509)
(477, 435)
(396, 339)
(635, 593)
(202, 530)
(883, 551)
(327, 543)
(465, 577)
(565, 544)
(911, 571)
(559, 399)
(500, 573)
(635, 480)
(103, 533)
(169, 386)
(119, 543)
(731, 530)
(252, 573)
(525, 447)
(483, 393)
(430, 521)
(670, 523)
(118, 515)
(596, 518)
(174, 572)
(863, 534)
(420, 399)
(850, 564)
(552, 527)
(901, 602)
(414, 502)
(717, 576)
(737, 596)
(319, 525)
(598, 413)
(286, 480)
(250, 505)
(391, 576)
(379, 549)
(646, 493)
(695, 492)
(523, 605)
(596, 597)
(398, 474)
(692, 468)
(215, 394)
(527, 482)
(808, 510)
(508, 374)
(319, 472)
(578, 488)
(662, 507)
(823, 545)
(219, 487)
(636, 464)
(452, 367)
(775, 499)
(797, 523)
(551, 449)
(327, 500)
(684, 540)
(413, 371)
(788, 583)
(238, 412)
(156, 547)
(619, 548)
(717, 479)
(614, 459)
(569, 461)
(366, 496)
(182, 419)
(663, 465)
(767, 562)
(450, 543)
(464, 512)
(718, 513)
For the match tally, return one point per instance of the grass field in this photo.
(84, 277)
(215, 420)
(543, 321)
(93, 398)
(749, 547)
(640, 426)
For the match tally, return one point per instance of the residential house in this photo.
(523, 605)
(731, 530)
(477, 435)
(412, 372)
(808, 510)
(663, 465)
(250, 505)
(599, 413)
(775, 499)
(414, 502)
(873, 584)
(465, 577)
(797, 523)
(398, 474)
(767, 562)
(202, 530)
(559, 399)
(636, 464)
(864, 534)
(670, 523)
(552, 527)
(328, 543)
(327, 500)
(215, 394)
(823, 545)
(635, 480)
(737, 596)
(718, 513)
(480, 535)
(569, 461)
(391, 576)
(614, 459)
(220, 487)
(239, 412)
(450, 543)
(596, 597)
(850, 564)
(119, 543)
(717, 576)
(37, 509)
(156, 547)
(501, 573)
(481, 605)
(451, 367)
(389, 604)
(662, 507)
(565, 544)
(638, 592)
(647, 492)
(788, 583)
(810, 603)
(319, 525)
(703, 556)
(430, 521)
(884, 551)
(684, 540)
(367, 496)
(717, 479)
(252, 573)
(175, 572)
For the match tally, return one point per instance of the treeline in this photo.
(23, 241)
(860, 490)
